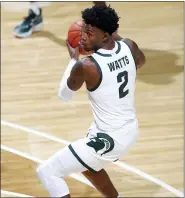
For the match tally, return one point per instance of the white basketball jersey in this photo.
(112, 100)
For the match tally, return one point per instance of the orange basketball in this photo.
(74, 36)
(74, 33)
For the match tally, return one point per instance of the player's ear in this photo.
(105, 36)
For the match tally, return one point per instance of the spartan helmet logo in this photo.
(102, 144)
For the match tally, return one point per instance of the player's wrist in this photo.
(73, 60)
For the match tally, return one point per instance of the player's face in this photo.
(92, 38)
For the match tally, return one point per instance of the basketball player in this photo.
(34, 21)
(109, 75)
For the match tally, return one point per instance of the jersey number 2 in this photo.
(122, 92)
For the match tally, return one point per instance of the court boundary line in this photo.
(14, 194)
(39, 161)
(120, 164)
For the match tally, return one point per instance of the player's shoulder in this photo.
(132, 44)
(87, 62)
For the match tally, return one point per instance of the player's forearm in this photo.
(64, 92)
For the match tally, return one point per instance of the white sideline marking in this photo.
(29, 130)
(37, 160)
(13, 194)
(150, 178)
(25, 155)
(121, 164)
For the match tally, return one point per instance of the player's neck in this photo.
(109, 45)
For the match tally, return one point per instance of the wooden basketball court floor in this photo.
(32, 113)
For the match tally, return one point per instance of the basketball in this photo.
(74, 33)
(74, 36)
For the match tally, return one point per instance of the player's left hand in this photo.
(73, 52)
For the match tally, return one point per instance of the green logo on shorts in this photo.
(102, 144)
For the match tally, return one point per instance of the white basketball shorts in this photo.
(92, 152)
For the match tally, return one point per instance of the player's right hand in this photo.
(73, 52)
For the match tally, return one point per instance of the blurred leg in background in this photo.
(33, 22)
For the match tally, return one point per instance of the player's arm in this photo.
(72, 80)
(73, 77)
(76, 77)
(137, 53)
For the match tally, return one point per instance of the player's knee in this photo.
(46, 170)
(40, 170)
(43, 171)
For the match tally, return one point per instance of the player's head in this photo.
(100, 22)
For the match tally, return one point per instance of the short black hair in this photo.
(101, 16)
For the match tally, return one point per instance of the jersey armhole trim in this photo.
(131, 52)
(100, 72)
(119, 47)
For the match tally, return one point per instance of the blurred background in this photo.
(32, 113)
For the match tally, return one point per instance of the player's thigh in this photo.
(75, 158)
(86, 157)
